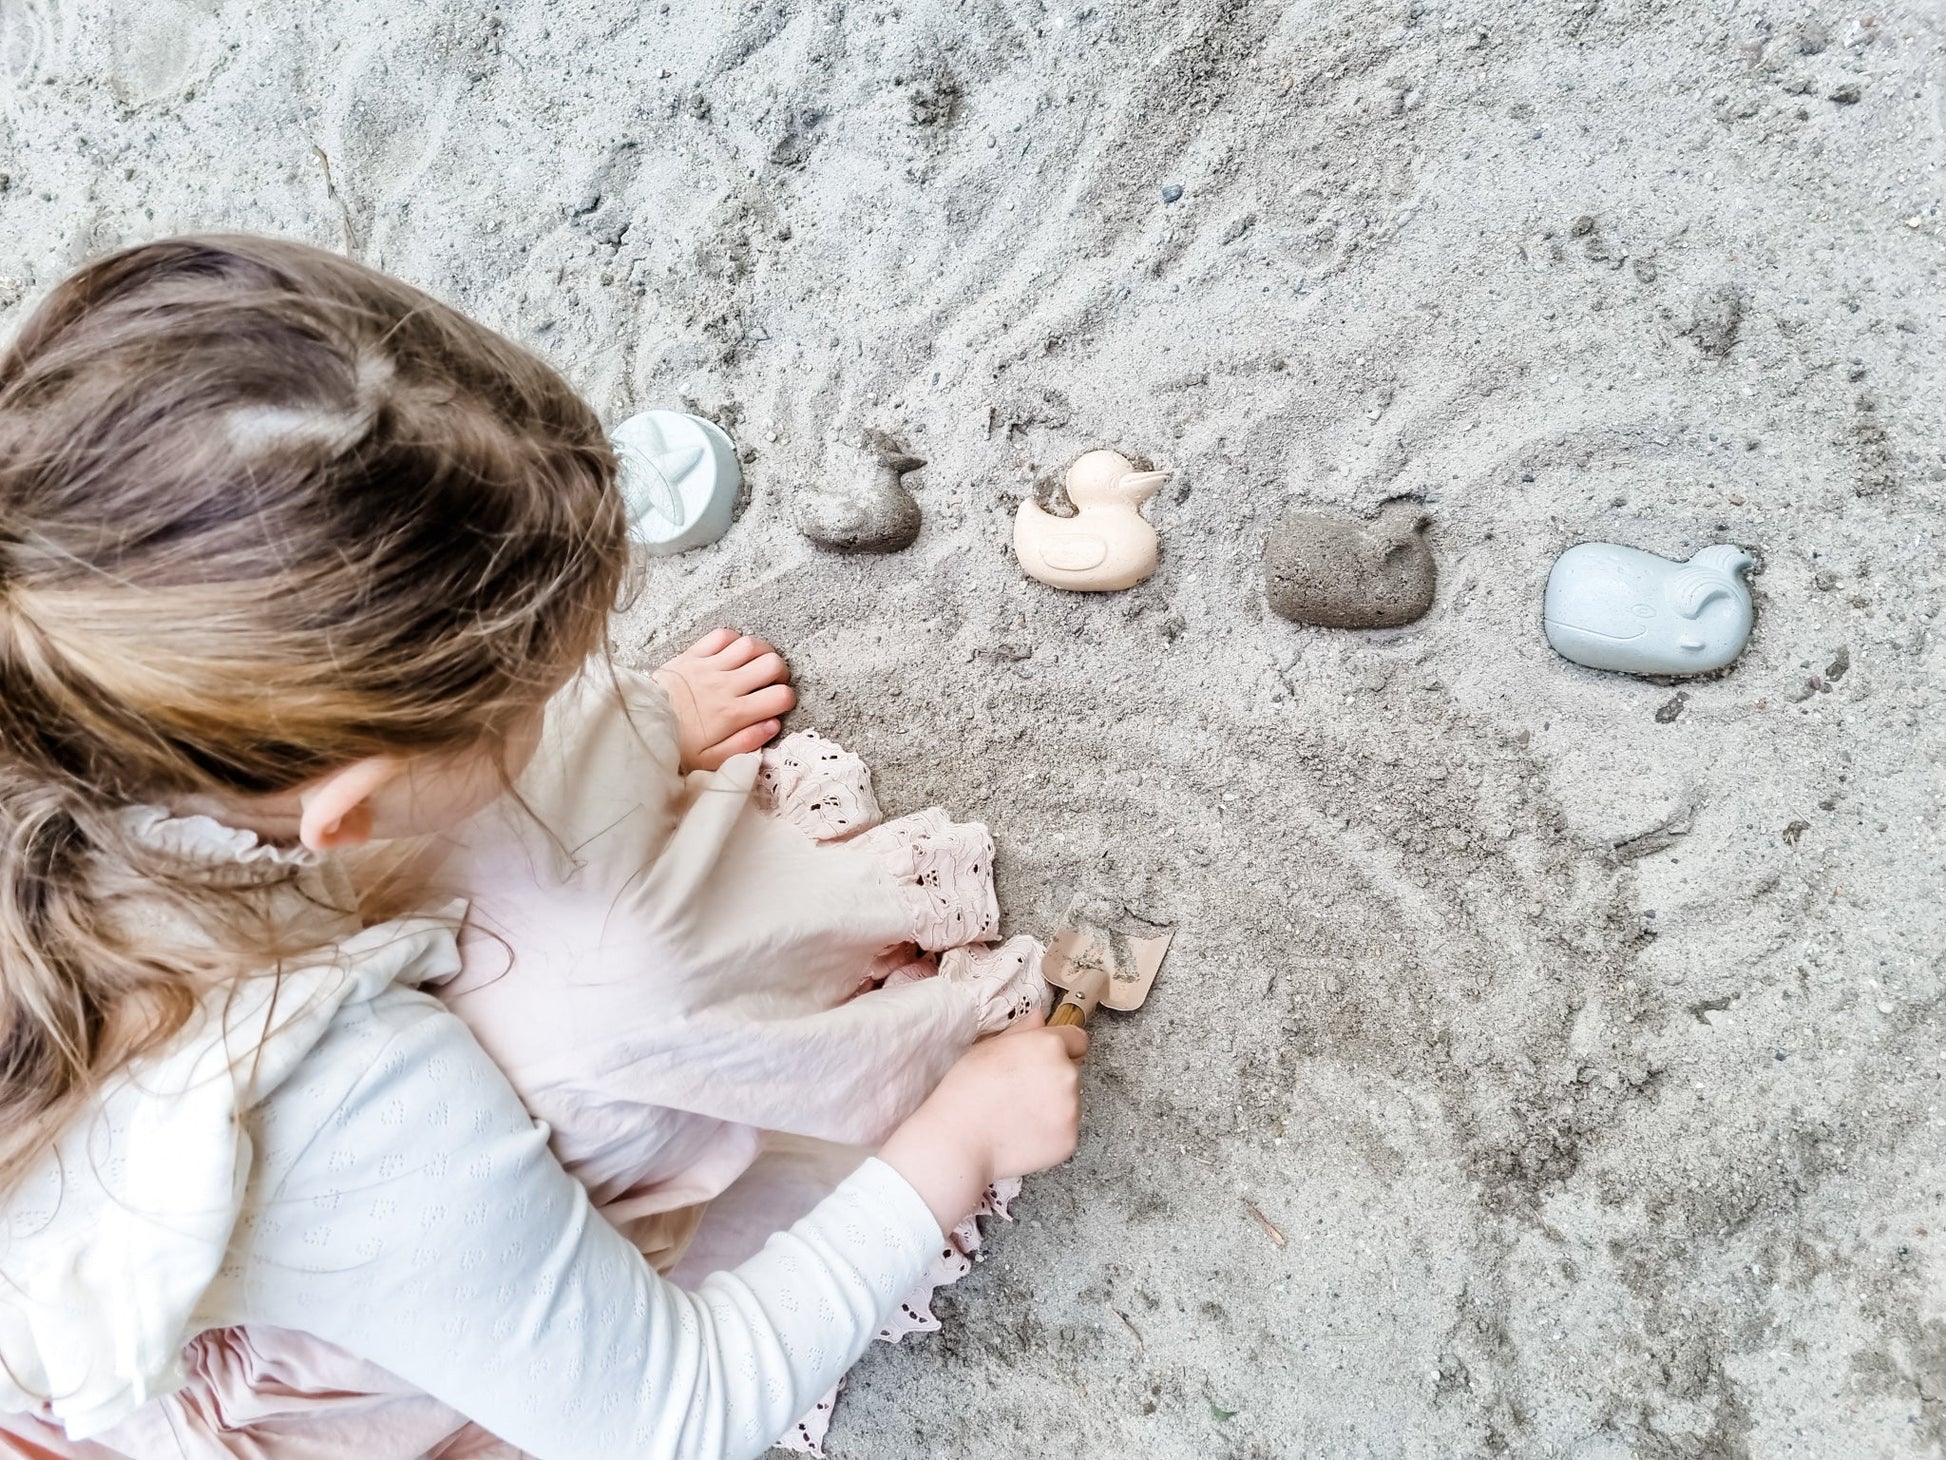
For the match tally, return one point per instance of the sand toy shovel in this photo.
(1103, 962)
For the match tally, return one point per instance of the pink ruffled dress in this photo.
(671, 967)
(720, 991)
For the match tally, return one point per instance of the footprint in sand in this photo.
(160, 49)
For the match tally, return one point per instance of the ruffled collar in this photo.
(207, 842)
(313, 891)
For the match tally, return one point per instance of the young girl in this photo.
(292, 562)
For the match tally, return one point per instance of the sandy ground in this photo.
(1586, 1058)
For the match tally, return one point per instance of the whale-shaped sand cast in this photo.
(1344, 572)
(1619, 608)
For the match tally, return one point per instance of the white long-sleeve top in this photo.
(343, 1158)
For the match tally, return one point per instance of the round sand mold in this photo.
(882, 517)
(679, 477)
(1343, 572)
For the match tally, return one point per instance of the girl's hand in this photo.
(728, 690)
(1011, 1106)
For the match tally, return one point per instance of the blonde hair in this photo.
(263, 513)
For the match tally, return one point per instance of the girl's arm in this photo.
(420, 1222)
(849, 1074)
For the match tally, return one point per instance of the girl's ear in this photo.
(338, 809)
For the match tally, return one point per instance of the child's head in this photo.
(265, 515)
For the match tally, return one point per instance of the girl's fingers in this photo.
(714, 642)
(755, 737)
(740, 651)
(767, 668)
(769, 702)
(1075, 1039)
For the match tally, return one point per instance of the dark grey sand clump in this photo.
(1716, 319)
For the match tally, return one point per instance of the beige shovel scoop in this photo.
(1103, 962)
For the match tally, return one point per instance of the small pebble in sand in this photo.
(1171, 192)
(1716, 320)
(1342, 572)
(1846, 95)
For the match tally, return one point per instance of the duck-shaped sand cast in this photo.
(1108, 543)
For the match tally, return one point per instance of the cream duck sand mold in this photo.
(1108, 544)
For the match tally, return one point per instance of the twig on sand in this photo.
(1129, 1324)
(1656, 839)
(344, 213)
(1264, 1222)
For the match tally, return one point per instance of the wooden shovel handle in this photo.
(1067, 1012)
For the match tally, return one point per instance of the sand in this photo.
(1578, 1035)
